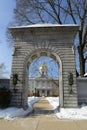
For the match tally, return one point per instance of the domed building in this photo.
(43, 85)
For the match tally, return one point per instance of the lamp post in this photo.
(15, 80)
(70, 82)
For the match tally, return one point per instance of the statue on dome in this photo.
(43, 70)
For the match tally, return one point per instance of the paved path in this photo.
(43, 109)
(40, 121)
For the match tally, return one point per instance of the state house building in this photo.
(43, 85)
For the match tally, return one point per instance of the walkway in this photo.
(43, 109)
(42, 118)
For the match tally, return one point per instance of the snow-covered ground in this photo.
(68, 113)
(65, 113)
(13, 112)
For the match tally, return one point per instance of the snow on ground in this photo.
(65, 113)
(54, 101)
(68, 113)
(13, 112)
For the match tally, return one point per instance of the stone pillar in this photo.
(70, 99)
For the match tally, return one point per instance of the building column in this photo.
(45, 93)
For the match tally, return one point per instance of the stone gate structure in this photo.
(52, 40)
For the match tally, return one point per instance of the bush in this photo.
(5, 97)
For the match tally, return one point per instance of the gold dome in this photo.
(43, 67)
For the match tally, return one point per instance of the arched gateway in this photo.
(52, 40)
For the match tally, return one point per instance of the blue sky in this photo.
(52, 67)
(6, 15)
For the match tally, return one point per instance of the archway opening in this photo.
(43, 77)
(51, 75)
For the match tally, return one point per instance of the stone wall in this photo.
(82, 90)
(5, 83)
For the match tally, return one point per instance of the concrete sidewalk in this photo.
(40, 121)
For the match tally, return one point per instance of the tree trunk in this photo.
(82, 61)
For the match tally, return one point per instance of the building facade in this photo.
(43, 85)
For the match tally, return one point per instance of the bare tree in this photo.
(2, 69)
(2, 66)
(55, 11)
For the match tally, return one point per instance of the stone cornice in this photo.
(60, 29)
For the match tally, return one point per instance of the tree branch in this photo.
(52, 4)
(71, 11)
(24, 16)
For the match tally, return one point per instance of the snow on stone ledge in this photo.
(45, 25)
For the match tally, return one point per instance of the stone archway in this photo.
(55, 41)
(44, 52)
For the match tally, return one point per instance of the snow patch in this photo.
(68, 113)
(13, 112)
